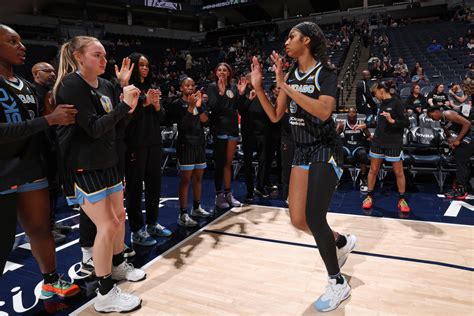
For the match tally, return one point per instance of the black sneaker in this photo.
(58, 237)
(262, 193)
(63, 229)
(458, 193)
(249, 198)
(128, 252)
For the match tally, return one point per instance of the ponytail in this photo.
(67, 62)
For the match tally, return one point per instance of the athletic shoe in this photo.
(363, 186)
(128, 252)
(58, 237)
(343, 253)
(221, 201)
(158, 230)
(63, 229)
(262, 193)
(232, 201)
(368, 202)
(403, 206)
(186, 220)
(116, 301)
(334, 295)
(60, 288)
(142, 238)
(87, 267)
(249, 198)
(457, 193)
(126, 271)
(200, 212)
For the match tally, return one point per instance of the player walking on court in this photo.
(309, 92)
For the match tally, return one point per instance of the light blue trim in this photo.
(94, 197)
(304, 167)
(28, 187)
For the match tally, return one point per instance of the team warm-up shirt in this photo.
(190, 128)
(306, 129)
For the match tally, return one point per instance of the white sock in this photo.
(86, 253)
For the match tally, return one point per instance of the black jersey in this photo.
(20, 137)
(223, 109)
(352, 137)
(306, 129)
(91, 142)
(190, 128)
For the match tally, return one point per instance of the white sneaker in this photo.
(333, 296)
(186, 221)
(126, 271)
(344, 252)
(232, 201)
(200, 212)
(116, 301)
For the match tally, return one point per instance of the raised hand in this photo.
(278, 68)
(130, 96)
(221, 85)
(242, 85)
(125, 72)
(252, 95)
(198, 98)
(256, 74)
(63, 114)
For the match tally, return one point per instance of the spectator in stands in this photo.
(365, 104)
(420, 78)
(450, 44)
(387, 68)
(437, 97)
(458, 100)
(434, 46)
(470, 72)
(400, 66)
(461, 43)
(402, 78)
(354, 135)
(415, 68)
(172, 93)
(460, 135)
(470, 45)
(376, 71)
(416, 101)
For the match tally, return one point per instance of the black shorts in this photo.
(389, 154)
(94, 185)
(305, 155)
(351, 150)
(191, 157)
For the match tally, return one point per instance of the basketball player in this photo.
(190, 116)
(23, 171)
(387, 143)
(309, 92)
(90, 172)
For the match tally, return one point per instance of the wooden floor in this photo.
(226, 274)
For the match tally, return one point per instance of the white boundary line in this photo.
(90, 302)
(356, 215)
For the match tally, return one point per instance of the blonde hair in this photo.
(67, 62)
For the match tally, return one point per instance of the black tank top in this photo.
(352, 137)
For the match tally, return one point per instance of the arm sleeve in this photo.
(93, 124)
(214, 97)
(12, 131)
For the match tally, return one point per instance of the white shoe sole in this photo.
(345, 297)
(114, 309)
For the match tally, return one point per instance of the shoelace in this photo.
(403, 203)
(61, 283)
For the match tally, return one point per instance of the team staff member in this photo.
(309, 92)
(23, 182)
(387, 143)
(189, 114)
(89, 152)
(224, 98)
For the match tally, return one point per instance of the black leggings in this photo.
(220, 156)
(287, 153)
(322, 181)
(8, 203)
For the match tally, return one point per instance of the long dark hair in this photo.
(135, 77)
(229, 68)
(318, 41)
